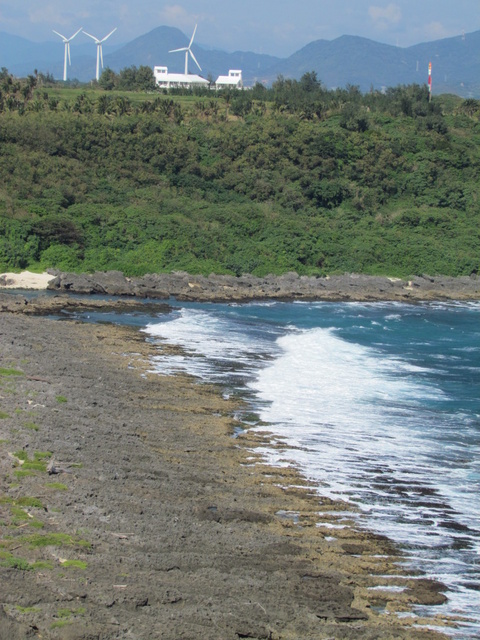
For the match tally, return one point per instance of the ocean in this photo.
(378, 406)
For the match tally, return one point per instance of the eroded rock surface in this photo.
(289, 286)
(159, 525)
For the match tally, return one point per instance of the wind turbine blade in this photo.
(193, 36)
(101, 55)
(68, 51)
(59, 34)
(175, 50)
(75, 34)
(90, 36)
(109, 35)
(191, 53)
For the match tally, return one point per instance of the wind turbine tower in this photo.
(188, 50)
(99, 49)
(67, 50)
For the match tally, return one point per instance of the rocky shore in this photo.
(286, 287)
(128, 510)
(42, 305)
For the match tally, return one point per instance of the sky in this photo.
(275, 27)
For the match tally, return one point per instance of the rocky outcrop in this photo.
(290, 286)
(44, 305)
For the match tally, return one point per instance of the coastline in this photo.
(187, 533)
(221, 288)
(289, 286)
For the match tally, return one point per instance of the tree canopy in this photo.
(291, 178)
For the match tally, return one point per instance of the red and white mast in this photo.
(429, 81)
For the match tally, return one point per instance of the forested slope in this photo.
(295, 178)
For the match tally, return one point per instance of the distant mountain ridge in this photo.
(153, 49)
(346, 60)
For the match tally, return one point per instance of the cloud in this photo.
(385, 17)
(436, 30)
(55, 14)
(175, 15)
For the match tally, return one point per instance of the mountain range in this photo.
(346, 60)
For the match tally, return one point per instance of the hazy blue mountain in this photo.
(153, 48)
(345, 60)
(359, 61)
(455, 62)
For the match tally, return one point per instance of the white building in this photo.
(167, 80)
(233, 80)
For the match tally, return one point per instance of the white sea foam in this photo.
(357, 413)
(322, 380)
(202, 333)
(365, 424)
(213, 348)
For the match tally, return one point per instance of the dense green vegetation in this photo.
(265, 181)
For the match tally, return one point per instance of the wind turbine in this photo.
(99, 49)
(188, 50)
(67, 50)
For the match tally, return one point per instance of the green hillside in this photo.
(294, 178)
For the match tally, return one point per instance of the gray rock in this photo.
(288, 286)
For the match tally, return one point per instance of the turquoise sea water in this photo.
(380, 403)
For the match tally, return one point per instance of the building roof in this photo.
(234, 79)
(164, 78)
(191, 78)
(226, 80)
